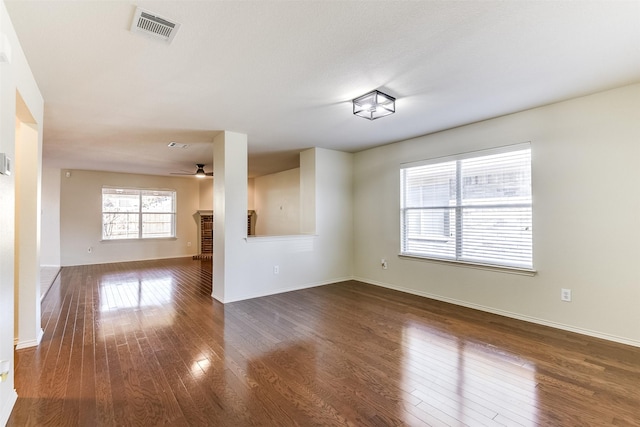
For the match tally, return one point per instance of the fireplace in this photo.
(205, 231)
(205, 235)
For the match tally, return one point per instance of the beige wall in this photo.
(80, 219)
(277, 203)
(251, 189)
(50, 233)
(586, 207)
(28, 160)
(205, 187)
(206, 193)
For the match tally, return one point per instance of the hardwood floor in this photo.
(144, 344)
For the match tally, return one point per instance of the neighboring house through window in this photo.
(473, 207)
(134, 213)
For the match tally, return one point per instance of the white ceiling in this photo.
(284, 72)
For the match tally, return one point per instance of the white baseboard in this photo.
(98, 262)
(30, 343)
(544, 322)
(7, 407)
(285, 289)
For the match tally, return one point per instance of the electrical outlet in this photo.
(276, 269)
(565, 295)
(383, 264)
(188, 244)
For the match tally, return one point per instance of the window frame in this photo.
(457, 209)
(140, 213)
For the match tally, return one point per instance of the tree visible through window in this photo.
(137, 213)
(474, 207)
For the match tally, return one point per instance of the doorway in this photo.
(28, 166)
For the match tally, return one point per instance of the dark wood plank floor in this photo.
(144, 344)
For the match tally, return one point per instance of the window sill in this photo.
(146, 239)
(257, 239)
(488, 267)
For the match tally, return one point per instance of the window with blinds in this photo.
(474, 207)
(131, 213)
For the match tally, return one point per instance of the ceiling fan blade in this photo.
(199, 171)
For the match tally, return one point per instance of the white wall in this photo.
(14, 77)
(277, 203)
(303, 260)
(230, 210)
(50, 232)
(585, 155)
(81, 226)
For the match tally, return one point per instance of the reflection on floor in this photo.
(144, 344)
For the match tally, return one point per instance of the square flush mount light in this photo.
(374, 105)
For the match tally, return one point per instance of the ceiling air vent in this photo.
(174, 144)
(149, 23)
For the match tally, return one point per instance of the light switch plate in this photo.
(5, 164)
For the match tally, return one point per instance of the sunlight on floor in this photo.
(118, 292)
(458, 380)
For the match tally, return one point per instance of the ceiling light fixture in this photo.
(374, 105)
(200, 173)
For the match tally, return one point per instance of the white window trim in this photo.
(140, 213)
(463, 263)
(468, 155)
(521, 271)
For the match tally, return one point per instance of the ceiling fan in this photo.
(200, 173)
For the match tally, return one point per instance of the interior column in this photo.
(229, 210)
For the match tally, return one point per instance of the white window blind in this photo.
(474, 207)
(131, 213)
